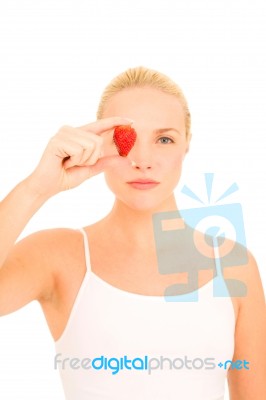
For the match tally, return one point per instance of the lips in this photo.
(143, 184)
(143, 181)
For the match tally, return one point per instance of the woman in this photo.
(116, 336)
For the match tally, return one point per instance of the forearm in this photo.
(16, 209)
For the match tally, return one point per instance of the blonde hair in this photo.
(140, 77)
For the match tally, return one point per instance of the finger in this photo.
(76, 161)
(90, 158)
(85, 172)
(75, 152)
(67, 148)
(80, 136)
(106, 124)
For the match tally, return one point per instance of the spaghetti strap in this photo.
(86, 249)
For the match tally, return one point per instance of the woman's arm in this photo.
(15, 212)
(71, 157)
(249, 382)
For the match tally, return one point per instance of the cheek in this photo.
(178, 159)
(174, 163)
(114, 176)
(110, 182)
(173, 172)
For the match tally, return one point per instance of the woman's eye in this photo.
(167, 138)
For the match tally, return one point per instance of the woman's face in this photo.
(158, 153)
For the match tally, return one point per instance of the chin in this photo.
(154, 200)
(148, 204)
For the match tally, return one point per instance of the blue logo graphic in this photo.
(238, 364)
(210, 237)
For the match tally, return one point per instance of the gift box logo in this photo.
(207, 237)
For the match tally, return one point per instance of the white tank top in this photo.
(119, 345)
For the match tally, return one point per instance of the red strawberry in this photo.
(124, 139)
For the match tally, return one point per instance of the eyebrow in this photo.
(163, 130)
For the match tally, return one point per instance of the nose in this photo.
(142, 166)
(141, 156)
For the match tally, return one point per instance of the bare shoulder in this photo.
(49, 246)
(246, 283)
(61, 243)
(250, 345)
(59, 250)
(37, 264)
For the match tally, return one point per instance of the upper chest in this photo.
(138, 271)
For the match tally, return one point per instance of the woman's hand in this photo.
(72, 156)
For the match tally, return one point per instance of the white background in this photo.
(57, 57)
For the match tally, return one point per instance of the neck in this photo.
(135, 226)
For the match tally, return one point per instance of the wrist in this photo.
(34, 189)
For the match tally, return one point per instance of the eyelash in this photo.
(166, 137)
